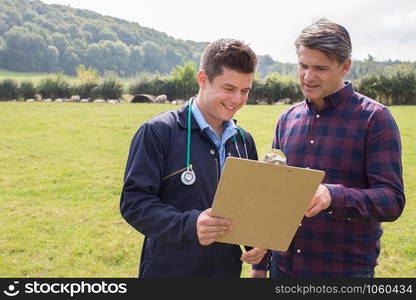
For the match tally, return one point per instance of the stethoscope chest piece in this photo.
(188, 177)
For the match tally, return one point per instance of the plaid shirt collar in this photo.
(334, 99)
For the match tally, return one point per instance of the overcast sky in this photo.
(383, 28)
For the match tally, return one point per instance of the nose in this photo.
(237, 98)
(308, 75)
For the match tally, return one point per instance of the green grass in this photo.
(27, 76)
(61, 169)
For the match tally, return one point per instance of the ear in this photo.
(202, 79)
(346, 66)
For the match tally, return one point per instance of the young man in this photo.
(174, 166)
(355, 140)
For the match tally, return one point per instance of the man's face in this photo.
(220, 99)
(318, 75)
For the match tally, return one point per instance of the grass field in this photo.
(61, 169)
(33, 77)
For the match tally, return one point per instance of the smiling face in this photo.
(220, 99)
(318, 75)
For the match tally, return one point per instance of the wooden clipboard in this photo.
(265, 202)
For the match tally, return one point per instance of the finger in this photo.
(206, 242)
(254, 252)
(208, 212)
(313, 202)
(207, 229)
(213, 221)
(313, 211)
(211, 235)
(207, 239)
(256, 257)
(252, 260)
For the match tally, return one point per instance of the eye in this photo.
(302, 66)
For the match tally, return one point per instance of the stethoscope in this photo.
(188, 176)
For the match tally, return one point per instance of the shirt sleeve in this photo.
(139, 204)
(384, 198)
(263, 265)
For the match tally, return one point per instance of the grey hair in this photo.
(326, 36)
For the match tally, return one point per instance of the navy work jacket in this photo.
(156, 203)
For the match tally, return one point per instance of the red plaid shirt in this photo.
(355, 140)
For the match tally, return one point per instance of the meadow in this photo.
(61, 170)
(35, 78)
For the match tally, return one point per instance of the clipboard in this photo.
(265, 202)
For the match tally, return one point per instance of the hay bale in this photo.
(161, 99)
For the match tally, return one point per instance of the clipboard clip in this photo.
(276, 157)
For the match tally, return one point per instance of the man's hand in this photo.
(320, 201)
(210, 228)
(253, 256)
(258, 273)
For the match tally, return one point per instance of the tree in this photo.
(24, 51)
(136, 60)
(69, 61)
(51, 59)
(106, 34)
(27, 90)
(110, 87)
(8, 90)
(60, 41)
(54, 87)
(153, 57)
(185, 80)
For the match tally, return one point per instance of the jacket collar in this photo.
(183, 116)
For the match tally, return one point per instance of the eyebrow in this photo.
(314, 66)
(234, 87)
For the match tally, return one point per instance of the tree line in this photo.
(395, 86)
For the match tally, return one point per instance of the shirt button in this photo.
(298, 251)
(212, 151)
(312, 142)
(348, 219)
(330, 213)
(300, 224)
(318, 116)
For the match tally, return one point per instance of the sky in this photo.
(385, 29)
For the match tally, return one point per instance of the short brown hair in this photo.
(230, 53)
(326, 36)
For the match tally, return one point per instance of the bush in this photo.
(54, 87)
(110, 88)
(84, 90)
(9, 90)
(27, 90)
(150, 84)
(395, 86)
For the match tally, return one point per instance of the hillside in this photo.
(50, 38)
(37, 37)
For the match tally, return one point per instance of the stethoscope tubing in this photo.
(188, 176)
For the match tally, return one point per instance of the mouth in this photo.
(311, 86)
(229, 107)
